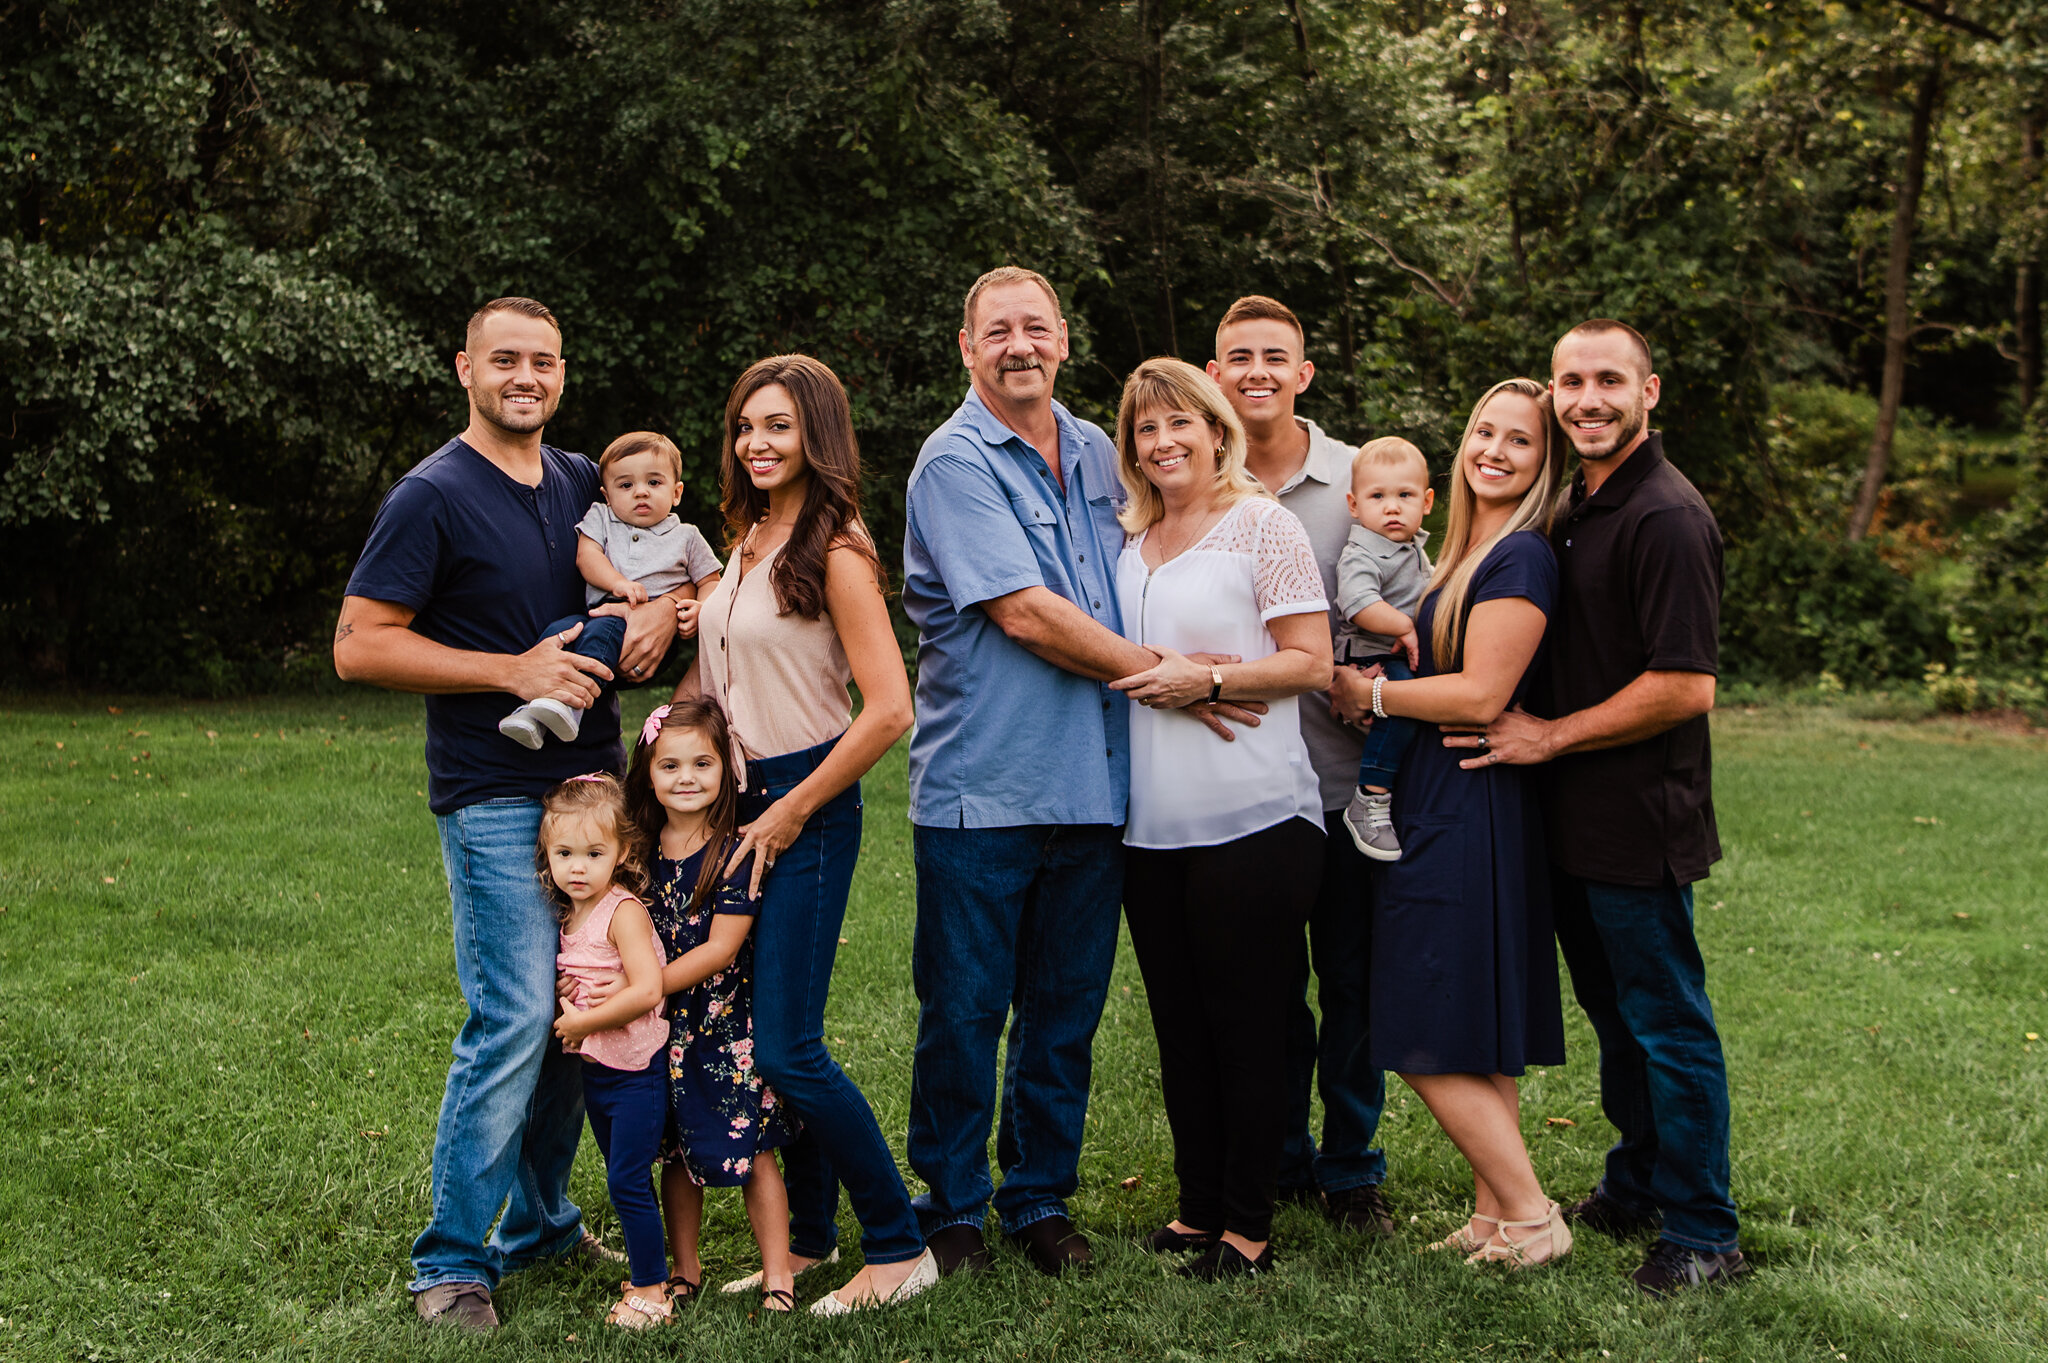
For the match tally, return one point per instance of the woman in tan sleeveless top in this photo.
(798, 614)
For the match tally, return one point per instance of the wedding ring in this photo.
(1483, 744)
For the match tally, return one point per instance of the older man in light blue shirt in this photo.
(1019, 774)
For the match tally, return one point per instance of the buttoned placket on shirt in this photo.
(1094, 583)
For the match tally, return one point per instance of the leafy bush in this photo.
(1796, 607)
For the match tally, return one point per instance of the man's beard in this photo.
(492, 407)
(1625, 435)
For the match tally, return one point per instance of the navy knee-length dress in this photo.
(1464, 969)
(720, 1114)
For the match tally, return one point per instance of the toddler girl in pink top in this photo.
(590, 852)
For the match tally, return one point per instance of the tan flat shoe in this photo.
(1461, 1239)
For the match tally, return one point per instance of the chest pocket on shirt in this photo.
(1037, 516)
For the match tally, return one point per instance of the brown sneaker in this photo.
(592, 1250)
(466, 1306)
(1362, 1209)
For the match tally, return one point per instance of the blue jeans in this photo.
(628, 1114)
(1386, 742)
(1354, 1093)
(513, 1108)
(1018, 918)
(1637, 971)
(796, 938)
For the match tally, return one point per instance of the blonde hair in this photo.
(597, 796)
(1459, 559)
(1388, 451)
(1164, 384)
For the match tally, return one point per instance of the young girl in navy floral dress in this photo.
(724, 1123)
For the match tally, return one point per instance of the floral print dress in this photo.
(720, 1114)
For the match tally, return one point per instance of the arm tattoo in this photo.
(346, 628)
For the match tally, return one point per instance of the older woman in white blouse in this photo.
(1225, 838)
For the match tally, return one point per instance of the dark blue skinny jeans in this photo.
(1335, 1058)
(1636, 969)
(628, 1112)
(796, 939)
(1386, 742)
(1014, 925)
(602, 638)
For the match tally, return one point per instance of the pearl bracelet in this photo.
(1379, 711)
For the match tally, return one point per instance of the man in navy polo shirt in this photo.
(472, 554)
(1019, 776)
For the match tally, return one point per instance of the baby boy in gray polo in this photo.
(660, 557)
(1375, 568)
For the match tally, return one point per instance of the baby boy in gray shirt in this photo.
(1380, 579)
(630, 548)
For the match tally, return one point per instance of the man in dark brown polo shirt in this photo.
(1632, 659)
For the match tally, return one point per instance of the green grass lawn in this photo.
(227, 993)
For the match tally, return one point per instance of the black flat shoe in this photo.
(1225, 1260)
(1167, 1240)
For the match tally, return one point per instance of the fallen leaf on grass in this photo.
(369, 1134)
(1918, 819)
(106, 880)
(60, 745)
(844, 940)
(211, 735)
(1133, 1181)
(113, 709)
(1962, 915)
(1559, 1121)
(2033, 1036)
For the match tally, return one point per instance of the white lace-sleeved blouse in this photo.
(1188, 787)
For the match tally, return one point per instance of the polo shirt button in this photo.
(1084, 558)
(636, 538)
(1098, 605)
(1109, 752)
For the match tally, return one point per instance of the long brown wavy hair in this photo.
(596, 796)
(830, 515)
(700, 715)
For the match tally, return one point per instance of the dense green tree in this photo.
(238, 239)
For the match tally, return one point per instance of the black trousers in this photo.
(1218, 931)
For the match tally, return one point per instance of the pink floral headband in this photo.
(652, 730)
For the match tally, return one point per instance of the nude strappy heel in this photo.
(1461, 1239)
(1551, 1230)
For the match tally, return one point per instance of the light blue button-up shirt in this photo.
(1003, 737)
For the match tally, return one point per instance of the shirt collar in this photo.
(1328, 461)
(993, 431)
(1382, 547)
(1623, 480)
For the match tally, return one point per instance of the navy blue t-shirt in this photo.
(486, 563)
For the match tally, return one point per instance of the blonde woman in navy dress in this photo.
(1464, 972)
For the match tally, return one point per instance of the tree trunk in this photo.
(1326, 206)
(1897, 313)
(2026, 305)
(1153, 19)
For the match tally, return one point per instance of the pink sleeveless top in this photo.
(588, 953)
(781, 679)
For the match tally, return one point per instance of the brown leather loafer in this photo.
(1053, 1245)
(466, 1306)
